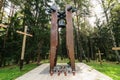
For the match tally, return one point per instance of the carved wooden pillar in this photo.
(70, 37)
(54, 40)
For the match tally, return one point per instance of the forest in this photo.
(88, 38)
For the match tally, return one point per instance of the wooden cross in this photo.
(99, 54)
(23, 45)
(116, 48)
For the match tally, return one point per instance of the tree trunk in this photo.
(1, 4)
(76, 43)
(39, 51)
(1, 10)
(91, 48)
(79, 44)
(87, 49)
(0, 59)
(4, 62)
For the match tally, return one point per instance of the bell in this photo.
(61, 23)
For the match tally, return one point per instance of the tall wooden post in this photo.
(70, 37)
(23, 45)
(53, 40)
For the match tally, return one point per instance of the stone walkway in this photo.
(83, 72)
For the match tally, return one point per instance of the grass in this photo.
(12, 72)
(109, 68)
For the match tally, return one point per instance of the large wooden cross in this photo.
(99, 55)
(23, 45)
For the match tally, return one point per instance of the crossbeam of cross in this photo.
(116, 48)
(3, 26)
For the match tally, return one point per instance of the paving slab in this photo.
(83, 72)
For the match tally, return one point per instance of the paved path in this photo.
(83, 72)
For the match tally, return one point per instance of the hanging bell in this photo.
(61, 23)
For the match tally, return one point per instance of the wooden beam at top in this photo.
(4, 26)
(20, 32)
(116, 48)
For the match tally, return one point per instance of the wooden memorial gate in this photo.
(55, 18)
